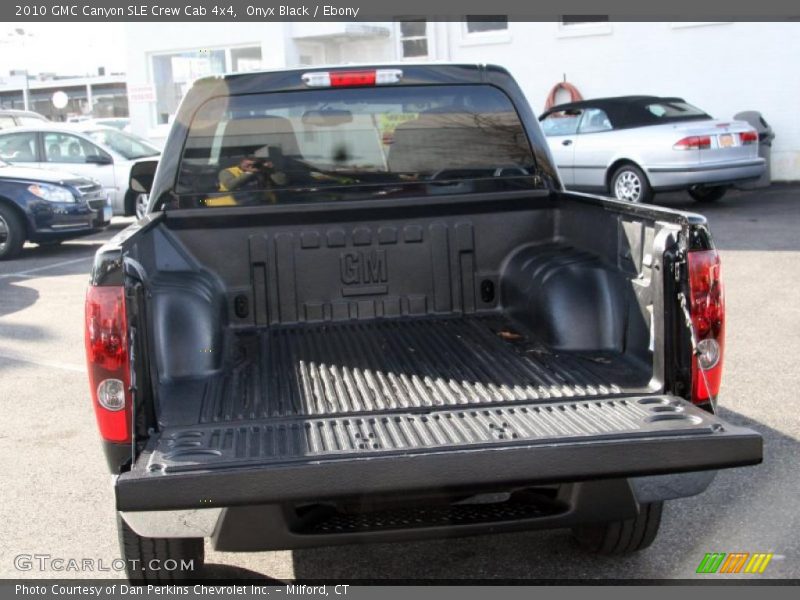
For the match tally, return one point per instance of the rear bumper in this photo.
(677, 177)
(281, 526)
(499, 448)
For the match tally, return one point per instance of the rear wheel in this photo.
(140, 204)
(622, 537)
(708, 193)
(629, 183)
(135, 204)
(12, 233)
(159, 560)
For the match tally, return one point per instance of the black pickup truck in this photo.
(362, 307)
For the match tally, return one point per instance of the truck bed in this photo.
(322, 390)
(421, 381)
(389, 365)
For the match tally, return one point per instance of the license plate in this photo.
(107, 213)
(726, 140)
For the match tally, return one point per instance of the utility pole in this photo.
(26, 93)
(20, 34)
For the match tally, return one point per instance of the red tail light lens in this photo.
(748, 137)
(352, 78)
(693, 142)
(107, 361)
(707, 308)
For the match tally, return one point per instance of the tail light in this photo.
(748, 137)
(707, 309)
(693, 142)
(366, 77)
(108, 361)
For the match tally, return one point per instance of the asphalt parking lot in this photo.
(56, 497)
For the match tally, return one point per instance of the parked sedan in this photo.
(102, 153)
(635, 146)
(15, 118)
(47, 207)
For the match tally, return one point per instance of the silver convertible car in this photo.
(635, 146)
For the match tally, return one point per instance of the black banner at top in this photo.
(387, 10)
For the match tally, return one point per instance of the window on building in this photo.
(174, 73)
(311, 53)
(583, 25)
(487, 23)
(414, 38)
(583, 19)
(245, 59)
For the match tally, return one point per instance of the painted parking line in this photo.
(50, 364)
(64, 263)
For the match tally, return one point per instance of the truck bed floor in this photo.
(397, 365)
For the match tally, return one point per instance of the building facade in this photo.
(724, 68)
(98, 96)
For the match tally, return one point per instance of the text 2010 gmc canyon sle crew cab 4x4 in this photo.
(362, 307)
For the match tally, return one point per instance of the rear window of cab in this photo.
(366, 141)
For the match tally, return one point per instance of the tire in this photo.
(708, 193)
(621, 537)
(140, 206)
(629, 183)
(12, 233)
(143, 556)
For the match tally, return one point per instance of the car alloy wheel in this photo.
(628, 187)
(140, 205)
(4, 234)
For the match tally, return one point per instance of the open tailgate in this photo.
(291, 459)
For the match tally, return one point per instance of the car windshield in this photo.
(360, 142)
(127, 145)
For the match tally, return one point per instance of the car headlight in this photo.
(51, 193)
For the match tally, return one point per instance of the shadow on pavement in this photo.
(219, 572)
(15, 297)
(70, 258)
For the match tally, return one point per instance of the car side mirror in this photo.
(142, 173)
(99, 159)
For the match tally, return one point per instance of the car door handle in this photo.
(566, 143)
